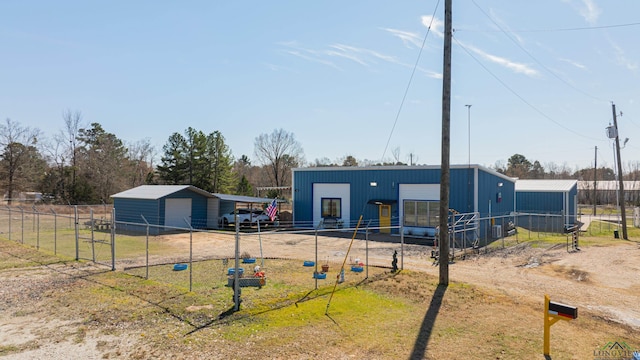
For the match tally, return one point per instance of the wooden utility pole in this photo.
(444, 167)
(621, 183)
(595, 182)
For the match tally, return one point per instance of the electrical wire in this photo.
(520, 96)
(534, 58)
(559, 29)
(406, 91)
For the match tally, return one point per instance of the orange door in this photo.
(385, 218)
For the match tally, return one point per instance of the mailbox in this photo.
(567, 311)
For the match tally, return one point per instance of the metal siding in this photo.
(549, 203)
(129, 210)
(213, 214)
(387, 180)
(461, 190)
(487, 192)
(541, 202)
(573, 195)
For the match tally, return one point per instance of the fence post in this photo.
(401, 244)
(236, 276)
(9, 207)
(366, 249)
(502, 230)
(113, 239)
(316, 271)
(146, 246)
(36, 218)
(75, 225)
(55, 232)
(22, 222)
(190, 253)
(93, 242)
(464, 234)
(515, 225)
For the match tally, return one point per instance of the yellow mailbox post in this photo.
(553, 312)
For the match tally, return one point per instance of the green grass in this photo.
(384, 317)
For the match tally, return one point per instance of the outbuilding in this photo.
(388, 196)
(557, 200)
(165, 207)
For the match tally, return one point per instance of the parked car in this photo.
(246, 217)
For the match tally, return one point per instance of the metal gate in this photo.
(95, 238)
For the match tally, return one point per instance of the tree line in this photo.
(86, 164)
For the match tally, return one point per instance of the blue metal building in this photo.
(395, 195)
(170, 206)
(556, 199)
(167, 207)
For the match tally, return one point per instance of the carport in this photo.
(225, 203)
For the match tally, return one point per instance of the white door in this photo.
(175, 211)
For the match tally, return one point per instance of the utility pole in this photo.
(621, 183)
(595, 182)
(469, 162)
(444, 167)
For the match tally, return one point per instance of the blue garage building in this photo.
(167, 207)
(396, 195)
(170, 206)
(557, 200)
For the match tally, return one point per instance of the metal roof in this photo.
(155, 192)
(404, 167)
(545, 185)
(244, 199)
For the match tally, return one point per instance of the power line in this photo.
(406, 91)
(519, 96)
(557, 29)
(534, 58)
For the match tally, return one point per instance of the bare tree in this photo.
(17, 146)
(396, 155)
(72, 125)
(140, 156)
(279, 151)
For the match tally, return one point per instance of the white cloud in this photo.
(588, 9)
(512, 65)
(621, 58)
(574, 63)
(306, 54)
(346, 52)
(408, 38)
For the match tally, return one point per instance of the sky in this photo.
(359, 78)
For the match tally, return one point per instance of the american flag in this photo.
(272, 209)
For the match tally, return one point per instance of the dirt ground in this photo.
(602, 280)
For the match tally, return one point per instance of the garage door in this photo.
(175, 211)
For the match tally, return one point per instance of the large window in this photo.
(421, 213)
(331, 207)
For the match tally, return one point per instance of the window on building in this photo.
(421, 213)
(331, 208)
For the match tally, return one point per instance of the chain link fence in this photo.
(286, 257)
